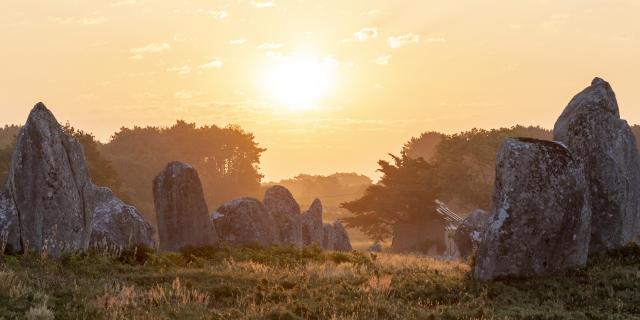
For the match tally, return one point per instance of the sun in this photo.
(299, 81)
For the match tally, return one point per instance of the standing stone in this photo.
(312, 224)
(50, 187)
(335, 237)
(328, 237)
(181, 210)
(9, 229)
(117, 224)
(342, 242)
(590, 126)
(49, 202)
(540, 214)
(245, 221)
(286, 211)
(469, 233)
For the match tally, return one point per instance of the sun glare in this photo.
(298, 82)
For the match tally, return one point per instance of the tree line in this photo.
(227, 160)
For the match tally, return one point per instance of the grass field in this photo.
(287, 283)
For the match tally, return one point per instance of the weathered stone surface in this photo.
(590, 126)
(50, 186)
(469, 233)
(328, 237)
(116, 224)
(182, 213)
(335, 237)
(283, 207)
(540, 215)
(49, 202)
(311, 221)
(342, 242)
(245, 221)
(9, 230)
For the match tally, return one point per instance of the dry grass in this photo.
(287, 283)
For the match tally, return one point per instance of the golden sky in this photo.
(326, 86)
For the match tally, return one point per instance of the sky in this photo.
(326, 86)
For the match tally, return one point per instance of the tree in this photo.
(406, 192)
(227, 160)
(424, 146)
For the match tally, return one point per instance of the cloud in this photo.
(219, 15)
(383, 60)
(216, 63)
(366, 34)
(151, 48)
(237, 42)
(182, 70)
(263, 3)
(403, 40)
(82, 20)
(270, 45)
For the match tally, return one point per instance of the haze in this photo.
(326, 86)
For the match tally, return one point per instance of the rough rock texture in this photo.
(590, 126)
(342, 238)
(50, 186)
(328, 237)
(311, 221)
(245, 221)
(335, 237)
(118, 224)
(284, 208)
(540, 215)
(9, 229)
(49, 201)
(182, 213)
(469, 233)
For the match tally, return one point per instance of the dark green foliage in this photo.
(406, 193)
(459, 169)
(466, 163)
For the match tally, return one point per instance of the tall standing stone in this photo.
(286, 211)
(182, 213)
(335, 237)
(540, 214)
(49, 202)
(342, 242)
(590, 126)
(312, 224)
(245, 221)
(50, 187)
